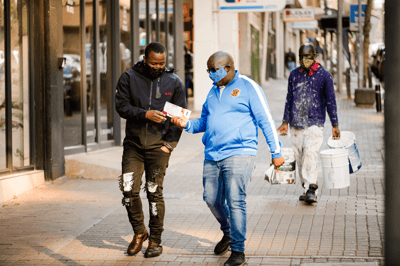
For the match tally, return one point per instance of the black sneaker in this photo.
(310, 195)
(302, 197)
(222, 246)
(237, 258)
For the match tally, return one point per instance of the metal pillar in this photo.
(96, 68)
(360, 47)
(82, 34)
(135, 46)
(113, 71)
(179, 63)
(166, 28)
(157, 21)
(8, 84)
(148, 23)
(339, 53)
(392, 133)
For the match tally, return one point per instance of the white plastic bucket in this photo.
(347, 141)
(286, 173)
(335, 168)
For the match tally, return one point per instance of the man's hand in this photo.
(180, 121)
(165, 149)
(278, 162)
(335, 132)
(155, 116)
(283, 129)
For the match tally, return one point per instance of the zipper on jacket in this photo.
(147, 124)
(158, 93)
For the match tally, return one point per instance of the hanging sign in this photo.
(251, 5)
(304, 25)
(298, 14)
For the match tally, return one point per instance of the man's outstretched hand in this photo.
(283, 129)
(155, 116)
(179, 121)
(278, 162)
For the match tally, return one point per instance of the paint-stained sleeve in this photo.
(331, 100)
(289, 101)
(260, 110)
(123, 100)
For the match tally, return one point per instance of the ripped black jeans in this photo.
(154, 163)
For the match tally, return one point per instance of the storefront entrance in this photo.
(101, 40)
(16, 150)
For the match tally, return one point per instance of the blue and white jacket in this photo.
(231, 121)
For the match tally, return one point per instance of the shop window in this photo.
(18, 88)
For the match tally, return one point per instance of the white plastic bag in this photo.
(270, 175)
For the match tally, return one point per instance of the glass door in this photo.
(90, 83)
(15, 101)
(88, 94)
(72, 74)
(3, 157)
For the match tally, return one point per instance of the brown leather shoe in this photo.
(136, 245)
(153, 250)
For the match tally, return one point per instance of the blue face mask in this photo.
(219, 74)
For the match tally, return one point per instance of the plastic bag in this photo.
(270, 175)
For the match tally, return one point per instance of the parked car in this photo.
(71, 81)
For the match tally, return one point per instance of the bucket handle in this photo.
(341, 147)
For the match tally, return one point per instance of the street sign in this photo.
(298, 14)
(251, 5)
(354, 16)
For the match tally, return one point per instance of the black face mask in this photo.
(152, 72)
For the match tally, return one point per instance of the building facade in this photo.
(59, 63)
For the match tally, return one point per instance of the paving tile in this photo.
(81, 222)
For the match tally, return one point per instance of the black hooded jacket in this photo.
(137, 93)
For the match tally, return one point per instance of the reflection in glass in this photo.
(20, 82)
(2, 94)
(106, 110)
(125, 29)
(72, 74)
(90, 89)
(125, 45)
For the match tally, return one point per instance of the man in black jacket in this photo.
(150, 137)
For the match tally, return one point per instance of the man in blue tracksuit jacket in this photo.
(235, 107)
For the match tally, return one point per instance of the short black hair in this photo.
(155, 47)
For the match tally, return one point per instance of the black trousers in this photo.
(154, 163)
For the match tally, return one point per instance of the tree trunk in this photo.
(367, 28)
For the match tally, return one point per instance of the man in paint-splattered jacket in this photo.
(310, 95)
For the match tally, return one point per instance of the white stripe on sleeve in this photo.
(271, 121)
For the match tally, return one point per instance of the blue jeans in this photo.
(225, 183)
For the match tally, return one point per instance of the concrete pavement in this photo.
(79, 220)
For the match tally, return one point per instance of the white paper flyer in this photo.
(174, 110)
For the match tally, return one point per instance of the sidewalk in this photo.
(80, 221)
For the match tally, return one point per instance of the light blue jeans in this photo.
(225, 184)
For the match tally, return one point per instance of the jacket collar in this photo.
(233, 80)
(312, 70)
